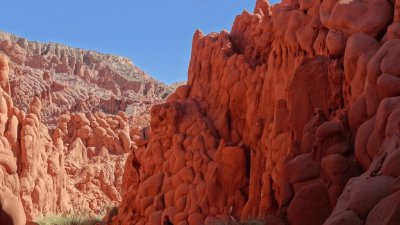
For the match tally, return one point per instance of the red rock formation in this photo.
(64, 157)
(78, 168)
(11, 209)
(94, 150)
(75, 80)
(294, 113)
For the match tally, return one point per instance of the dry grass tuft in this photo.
(269, 220)
(70, 220)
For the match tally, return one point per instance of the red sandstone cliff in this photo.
(76, 166)
(75, 80)
(295, 112)
(69, 118)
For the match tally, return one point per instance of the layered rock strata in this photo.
(70, 80)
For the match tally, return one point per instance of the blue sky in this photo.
(155, 34)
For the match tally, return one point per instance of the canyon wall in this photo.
(74, 168)
(69, 119)
(70, 80)
(294, 113)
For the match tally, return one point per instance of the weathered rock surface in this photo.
(76, 167)
(294, 112)
(69, 80)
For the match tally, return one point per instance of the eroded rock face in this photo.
(75, 168)
(68, 120)
(11, 209)
(294, 112)
(94, 149)
(69, 80)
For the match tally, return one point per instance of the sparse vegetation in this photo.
(269, 220)
(82, 219)
(70, 220)
(252, 222)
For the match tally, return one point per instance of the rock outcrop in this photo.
(295, 113)
(69, 80)
(76, 167)
(68, 120)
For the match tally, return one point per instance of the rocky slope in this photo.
(75, 169)
(294, 113)
(71, 118)
(68, 119)
(75, 80)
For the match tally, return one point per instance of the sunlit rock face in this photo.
(294, 113)
(71, 80)
(74, 168)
